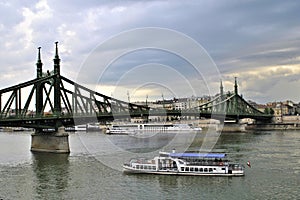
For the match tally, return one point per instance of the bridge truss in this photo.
(59, 101)
(230, 106)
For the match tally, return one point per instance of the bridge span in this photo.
(71, 103)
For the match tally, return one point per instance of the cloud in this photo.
(267, 84)
(258, 41)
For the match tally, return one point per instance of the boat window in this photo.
(187, 169)
(196, 169)
(223, 168)
(205, 169)
(201, 169)
(182, 168)
(192, 169)
(210, 169)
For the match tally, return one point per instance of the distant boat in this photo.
(17, 129)
(84, 127)
(76, 128)
(130, 128)
(195, 164)
(81, 127)
(120, 131)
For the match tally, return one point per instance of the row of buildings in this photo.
(277, 108)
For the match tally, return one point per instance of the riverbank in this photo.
(243, 127)
(273, 126)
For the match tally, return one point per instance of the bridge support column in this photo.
(56, 142)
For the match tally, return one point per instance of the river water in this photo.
(93, 168)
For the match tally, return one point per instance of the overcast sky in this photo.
(256, 41)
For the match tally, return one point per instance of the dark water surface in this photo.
(92, 169)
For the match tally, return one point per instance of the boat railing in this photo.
(236, 167)
(207, 163)
(142, 161)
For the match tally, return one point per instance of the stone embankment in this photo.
(279, 123)
(290, 122)
(274, 126)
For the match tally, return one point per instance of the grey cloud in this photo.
(239, 35)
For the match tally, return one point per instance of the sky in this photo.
(134, 50)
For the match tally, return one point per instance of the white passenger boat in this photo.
(84, 127)
(120, 131)
(205, 164)
(123, 128)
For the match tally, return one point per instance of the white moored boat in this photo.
(129, 128)
(205, 164)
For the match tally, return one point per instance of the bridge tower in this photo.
(39, 87)
(235, 86)
(42, 140)
(221, 90)
(236, 96)
(57, 103)
(222, 106)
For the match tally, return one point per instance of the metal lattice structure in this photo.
(69, 102)
(59, 101)
(230, 106)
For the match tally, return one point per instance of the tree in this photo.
(267, 111)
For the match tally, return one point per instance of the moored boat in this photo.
(150, 127)
(84, 127)
(205, 164)
(119, 131)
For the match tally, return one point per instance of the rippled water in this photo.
(89, 171)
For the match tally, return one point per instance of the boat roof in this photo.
(198, 155)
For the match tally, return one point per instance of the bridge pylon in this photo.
(58, 102)
(42, 140)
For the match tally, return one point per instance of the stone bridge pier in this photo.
(52, 142)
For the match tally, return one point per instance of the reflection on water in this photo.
(274, 156)
(51, 173)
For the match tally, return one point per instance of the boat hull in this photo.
(130, 170)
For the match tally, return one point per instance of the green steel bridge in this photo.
(71, 103)
(230, 106)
